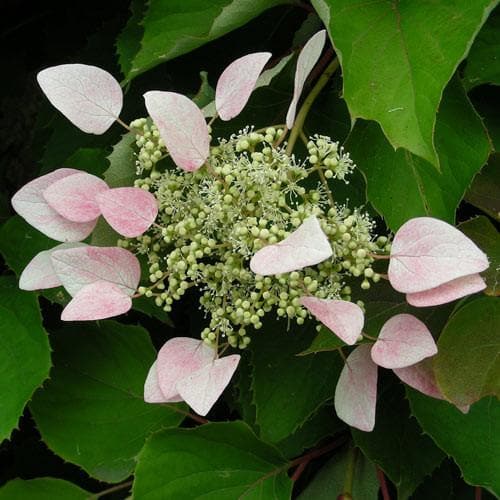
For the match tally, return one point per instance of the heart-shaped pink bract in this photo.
(427, 253)
(421, 377)
(237, 83)
(308, 57)
(98, 300)
(178, 359)
(306, 246)
(87, 96)
(39, 274)
(78, 267)
(202, 389)
(447, 292)
(182, 127)
(74, 196)
(152, 391)
(356, 391)
(403, 341)
(129, 211)
(31, 205)
(343, 318)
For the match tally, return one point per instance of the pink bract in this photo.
(237, 83)
(306, 246)
(39, 274)
(30, 204)
(152, 391)
(427, 253)
(448, 292)
(182, 127)
(421, 377)
(201, 389)
(98, 300)
(403, 341)
(129, 211)
(74, 196)
(343, 318)
(78, 267)
(87, 96)
(356, 391)
(179, 358)
(308, 57)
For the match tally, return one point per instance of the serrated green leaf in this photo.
(401, 185)
(91, 160)
(205, 94)
(483, 61)
(472, 440)
(484, 192)
(298, 385)
(128, 42)
(322, 424)
(121, 171)
(176, 27)
(329, 481)
(219, 461)
(439, 486)
(44, 488)
(24, 352)
(482, 232)
(325, 340)
(92, 411)
(467, 365)
(398, 57)
(397, 443)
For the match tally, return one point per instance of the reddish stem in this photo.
(478, 493)
(383, 484)
(299, 470)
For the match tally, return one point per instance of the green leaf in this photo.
(467, 365)
(397, 58)
(484, 192)
(92, 412)
(91, 160)
(19, 243)
(205, 94)
(219, 461)
(483, 64)
(439, 486)
(401, 185)
(322, 424)
(297, 385)
(472, 440)
(128, 42)
(121, 171)
(24, 352)
(328, 483)
(43, 488)
(176, 27)
(325, 340)
(104, 235)
(397, 443)
(484, 234)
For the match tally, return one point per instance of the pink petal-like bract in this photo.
(308, 57)
(343, 318)
(74, 197)
(447, 292)
(427, 253)
(356, 391)
(30, 204)
(152, 391)
(39, 274)
(99, 300)
(237, 82)
(403, 341)
(177, 359)
(87, 96)
(306, 246)
(182, 127)
(129, 211)
(78, 267)
(202, 389)
(421, 377)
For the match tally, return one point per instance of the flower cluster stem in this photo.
(308, 102)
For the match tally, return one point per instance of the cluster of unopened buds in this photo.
(234, 220)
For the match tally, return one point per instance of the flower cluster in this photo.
(253, 228)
